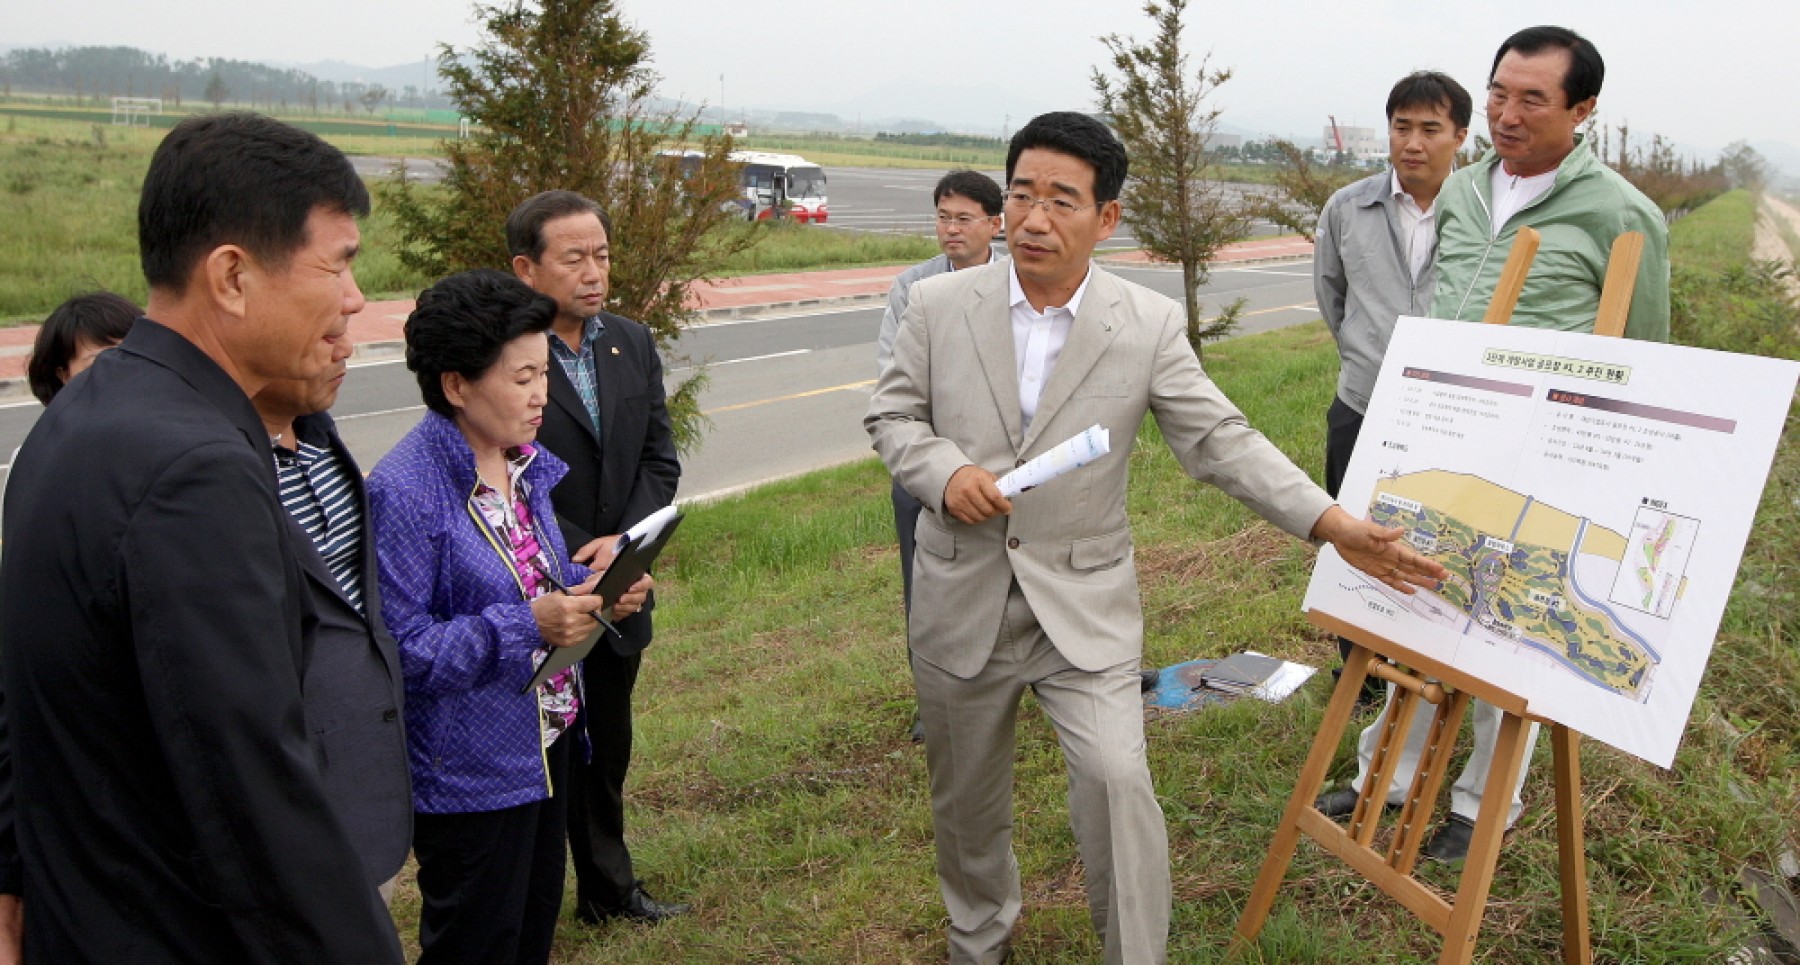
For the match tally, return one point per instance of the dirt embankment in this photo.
(1771, 242)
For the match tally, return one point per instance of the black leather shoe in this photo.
(918, 729)
(638, 906)
(1451, 841)
(1339, 803)
(1147, 678)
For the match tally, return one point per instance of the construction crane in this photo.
(1336, 134)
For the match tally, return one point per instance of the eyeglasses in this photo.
(961, 220)
(1022, 203)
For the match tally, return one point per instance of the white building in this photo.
(1361, 143)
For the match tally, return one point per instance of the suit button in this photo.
(1012, 544)
(389, 715)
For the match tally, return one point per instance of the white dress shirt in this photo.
(1418, 228)
(1038, 339)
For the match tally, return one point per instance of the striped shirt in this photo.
(319, 494)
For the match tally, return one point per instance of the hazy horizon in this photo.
(959, 66)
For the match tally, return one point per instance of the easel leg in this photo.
(1311, 782)
(1577, 944)
(1484, 845)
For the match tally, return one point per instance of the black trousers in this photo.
(604, 877)
(492, 881)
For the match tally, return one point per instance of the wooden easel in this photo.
(1422, 680)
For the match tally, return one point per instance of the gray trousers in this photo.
(969, 749)
(1467, 792)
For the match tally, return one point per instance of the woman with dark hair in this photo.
(476, 587)
(73, 336)
(68, 342)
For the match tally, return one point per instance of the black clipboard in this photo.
(633, 561)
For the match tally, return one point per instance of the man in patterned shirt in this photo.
(353, 687)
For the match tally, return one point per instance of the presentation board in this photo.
(1590, 497)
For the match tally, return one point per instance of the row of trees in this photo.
(97, 73)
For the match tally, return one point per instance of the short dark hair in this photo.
(98, 318)
(1586, 70)
(525, 226)
(462, 323)
(242, 179)
(1428, 88)
(1080, 137)
(974, 185)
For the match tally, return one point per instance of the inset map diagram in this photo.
(1655, 561)
(1529, 576)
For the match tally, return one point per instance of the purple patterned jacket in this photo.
(467, 636)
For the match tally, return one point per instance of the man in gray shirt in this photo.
(968, 218)
(1373, 260)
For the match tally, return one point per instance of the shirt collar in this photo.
(1401, 194)
(591, 330)
(1018, 294)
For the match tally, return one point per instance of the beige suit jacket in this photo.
(951, 399)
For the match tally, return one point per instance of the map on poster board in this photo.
(1590, 498)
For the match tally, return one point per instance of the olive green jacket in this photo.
(1587, 207)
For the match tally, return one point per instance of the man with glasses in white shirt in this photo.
(994, 366)
(968, 218)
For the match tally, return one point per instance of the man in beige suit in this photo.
(995, 365)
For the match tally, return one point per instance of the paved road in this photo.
(898, 201)
(787, 393)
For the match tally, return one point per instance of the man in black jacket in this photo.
(608, 420)
(353, 683)
(165, 801)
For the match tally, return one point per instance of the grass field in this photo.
(774, 785)
(775, 788)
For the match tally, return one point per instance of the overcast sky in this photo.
(1703, 74)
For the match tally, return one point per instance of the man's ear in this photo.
(222, 274)
(1110, 213)
(1585, 110)
(523, 269)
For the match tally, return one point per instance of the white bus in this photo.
(771, 184)
(776, 182)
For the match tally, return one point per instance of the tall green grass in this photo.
(1718, 297)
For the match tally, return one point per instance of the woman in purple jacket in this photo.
(473, 578)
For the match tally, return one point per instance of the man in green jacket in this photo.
(1542, 88)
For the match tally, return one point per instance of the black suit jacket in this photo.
(162, 798)
(630, 470)
(354, 688)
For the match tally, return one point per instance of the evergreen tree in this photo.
(558, 96)
(1173, 199)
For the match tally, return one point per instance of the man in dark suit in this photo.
(608, 420)
(353, 683)
(165, 801)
